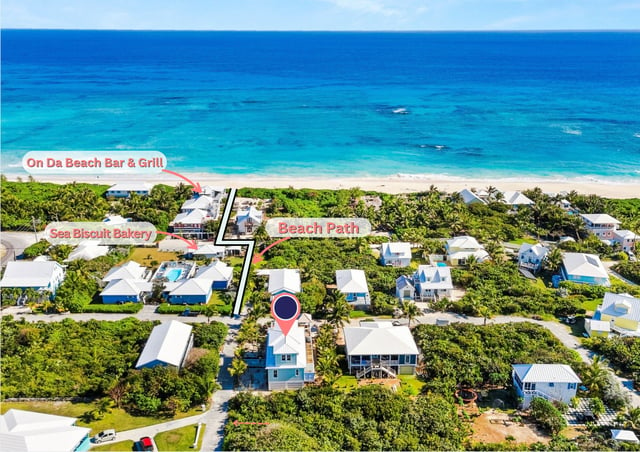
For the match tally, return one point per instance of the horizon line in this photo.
(470, 30)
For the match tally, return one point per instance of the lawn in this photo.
(347, 382)
(180, 439)
(411, 384)
(123, 446)
(117, 418)
(529, 240)
(141, 256)
(355, 314)
(591, 305)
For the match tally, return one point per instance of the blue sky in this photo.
(323, 14)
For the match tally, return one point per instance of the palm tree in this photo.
(410, 311)
(553, 260)
(210, 311)
(340, 310)
(595, 375)
(237, 368)
(633, 418)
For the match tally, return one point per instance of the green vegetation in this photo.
(126, 308)
(168, 308)
(547, 415)
(150, 257)
(180, 439)
(471, 355)
(630, 270)
(95, 359)
(622, 352)
(323, 418)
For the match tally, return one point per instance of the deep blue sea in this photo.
(512, 105)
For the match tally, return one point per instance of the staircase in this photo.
(368, 370)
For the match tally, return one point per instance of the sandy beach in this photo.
(391, 184)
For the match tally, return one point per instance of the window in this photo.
(297, 372)
(275, 374)
(286, 357)
(530, 386)
(573, 385)
(551, 385)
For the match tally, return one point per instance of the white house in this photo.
(289, 358)
(124, 189)
(353, 284)
(380, 350)
(191, 291)
(396, 254)
(168, 345)
(248, 220)
(125, 291)
(621, 311)
(191, 222)
(597, 328)
(40, 275)
(218, 272)
(600, 224)
(516, 199)
(29, 431)
(469, 197)
(459, 249)
(532, 256)
(584, 268)
(87, 251)
(625, 239)
(284, 280)
(554, 382)
(128, 270)
(209, 251)
(624, 435)
(432, 282)
(405, 290)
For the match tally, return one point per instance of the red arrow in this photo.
(196, 186)
(237, 422)
(192, 245)
(258, 257)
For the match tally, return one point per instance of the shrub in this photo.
(127, 308)
(547, 415)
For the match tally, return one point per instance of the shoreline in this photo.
(397, 184)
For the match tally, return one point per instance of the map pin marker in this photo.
(285, 308)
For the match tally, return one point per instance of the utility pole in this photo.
(35, 232)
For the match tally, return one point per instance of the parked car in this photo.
(189, 313)
(105, 435)
(145, 444)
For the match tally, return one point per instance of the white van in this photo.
(105, 435)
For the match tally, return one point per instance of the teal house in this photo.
(289, 361)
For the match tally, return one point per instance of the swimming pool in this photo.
(173, 274)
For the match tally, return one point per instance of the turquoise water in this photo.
(173, 274)
(513, 105)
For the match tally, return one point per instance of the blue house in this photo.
(219, 273)
(191, 291)
(289, 360)
(585, 269)
(38, 275)
(125, 291)
(353, 284)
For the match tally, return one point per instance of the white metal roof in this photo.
(115, 219)
(581, 264)
(470, 197)
(128, 270)
(217, 271)
(545, 373)
(87, 251)
(31, 274)
(404, 281)
(396, 249)
(620, 305)
(284, 279)
(626, 234)
(351, 281)
(208, 248)
(464, 242)
(201, 202)
(599, 218)
(126, 287)
(537, 250)
(28, 431)
(379, 338)
(293, 344)
(193, 286)
(624, 435)
(196, 216)
(515, 198)
(434, 277)
(167, 343)
(251, 212)
(598, 325)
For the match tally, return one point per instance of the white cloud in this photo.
(367, 6)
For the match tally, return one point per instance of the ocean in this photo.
(514, 105)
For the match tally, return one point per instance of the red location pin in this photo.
(285, 308)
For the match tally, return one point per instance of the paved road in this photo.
(15, 242)
(608, 265)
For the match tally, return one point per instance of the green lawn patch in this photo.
(117, 418)
(411, 384)
(590, 305)
(180, 439)
(528, 240)
(358, 314)
(123, 446)
(346, 382)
